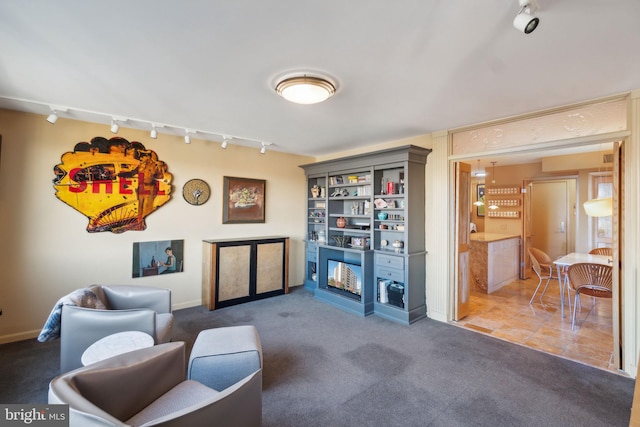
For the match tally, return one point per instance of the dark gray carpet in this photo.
(323, 366)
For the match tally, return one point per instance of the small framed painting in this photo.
(243, 200)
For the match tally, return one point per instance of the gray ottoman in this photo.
(223, 356)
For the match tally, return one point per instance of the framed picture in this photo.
(243, 200)
(480, 198)
(159, 257)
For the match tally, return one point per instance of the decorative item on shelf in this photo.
(391, 187)
(384, 243)
(383, 226)
(321, 237)
(341, 241)
(341, 222)
(380, 203)
(315, 191)
(397, 245)
(322, 192)
(382, 216)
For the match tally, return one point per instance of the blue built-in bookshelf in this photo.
(365, 245)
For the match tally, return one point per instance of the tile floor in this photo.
(506, 314)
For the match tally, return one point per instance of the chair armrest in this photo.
(238, 405)
(119, 387)
(81, 327)
(123, 297)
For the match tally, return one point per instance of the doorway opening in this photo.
(551, 219)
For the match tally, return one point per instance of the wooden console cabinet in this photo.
(238, 271)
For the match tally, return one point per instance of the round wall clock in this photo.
(196, 192)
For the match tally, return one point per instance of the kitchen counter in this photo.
(494, 260)
(491, 237)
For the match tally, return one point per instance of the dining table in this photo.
(564, 262)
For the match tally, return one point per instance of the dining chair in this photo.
(602, 251)
(544, 268)
(591, 279)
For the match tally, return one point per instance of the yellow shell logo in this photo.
(114, 182)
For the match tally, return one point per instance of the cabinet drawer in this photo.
(394, 274)
(389, 261)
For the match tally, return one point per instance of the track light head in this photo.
(53, 117)
(115, 127)
(263, 149)
(524, 20)
(154, 132)
(225, 142)
(187, 137)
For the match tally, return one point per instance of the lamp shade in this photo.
(599, 207)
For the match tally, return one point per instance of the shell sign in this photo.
(114, 182)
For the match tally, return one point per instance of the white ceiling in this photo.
(403, 67)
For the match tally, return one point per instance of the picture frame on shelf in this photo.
(243, 200)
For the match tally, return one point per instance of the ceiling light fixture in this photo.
(115, 127)
(187, 137)
(225, 142)
(599, 207)
(524, 20)
(49, 110)
(304, 89)
(493, 172)
(53, 117)
(481, 172)
(263, 148)
(154, 132)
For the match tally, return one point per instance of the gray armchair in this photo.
(148, 387)
(128, 308)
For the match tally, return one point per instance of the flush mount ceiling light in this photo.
(305, 89)
(524, 20)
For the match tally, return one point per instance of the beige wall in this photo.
(47, 252)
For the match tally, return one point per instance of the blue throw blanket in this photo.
(81, 298)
